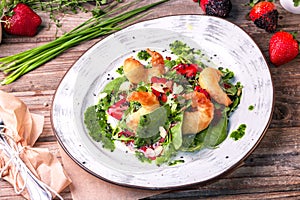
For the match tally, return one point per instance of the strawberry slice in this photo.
(187, 70)
(23, 22)
(160, 96)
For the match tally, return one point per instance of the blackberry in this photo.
(268, 21)
(219, 8)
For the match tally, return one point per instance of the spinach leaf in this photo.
(149, 124)
(217, 134)
(193, 142)
(114, 85)
(139, 141)
(176, 132)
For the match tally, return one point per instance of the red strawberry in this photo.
(219, 8)
(23, 22)
(187, 70)
(283, 47)
(265, 15)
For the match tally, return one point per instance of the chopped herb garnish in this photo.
(143, 55)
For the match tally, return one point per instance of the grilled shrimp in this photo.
(209, 80)
(157, 62)
(136, 72)
(149, 103)
(198, 120)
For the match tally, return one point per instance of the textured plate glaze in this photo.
(226, 44)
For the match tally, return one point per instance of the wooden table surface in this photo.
(271, 171)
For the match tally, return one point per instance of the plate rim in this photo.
(200, 183)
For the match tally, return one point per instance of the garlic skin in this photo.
(289, 6)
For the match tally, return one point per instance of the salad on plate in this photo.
(164, 103)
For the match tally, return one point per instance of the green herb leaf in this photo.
(99, 130)
(185, 53)
(175, 162)
(217, 134)
(114, 85)
(193, 142)
(177, 132)
(143, 55)
(149, 124)
(168, 153)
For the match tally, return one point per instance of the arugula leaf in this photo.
(186, 53)
(168, 153)
(142, 157)
(227, 75)
(233, 91)
(170, 63)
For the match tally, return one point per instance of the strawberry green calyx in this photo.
(2, 8)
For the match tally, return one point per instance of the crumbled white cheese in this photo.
(162, 132)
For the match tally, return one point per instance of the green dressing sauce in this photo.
(239, 133)
(251, 107)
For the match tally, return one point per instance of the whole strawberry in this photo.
(283, 48)
(23, 22)
(219, 8)
(265, 15)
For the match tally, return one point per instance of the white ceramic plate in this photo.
(227, 45)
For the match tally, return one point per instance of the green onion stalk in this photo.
(111, 21)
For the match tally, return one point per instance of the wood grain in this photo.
(270, 172)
